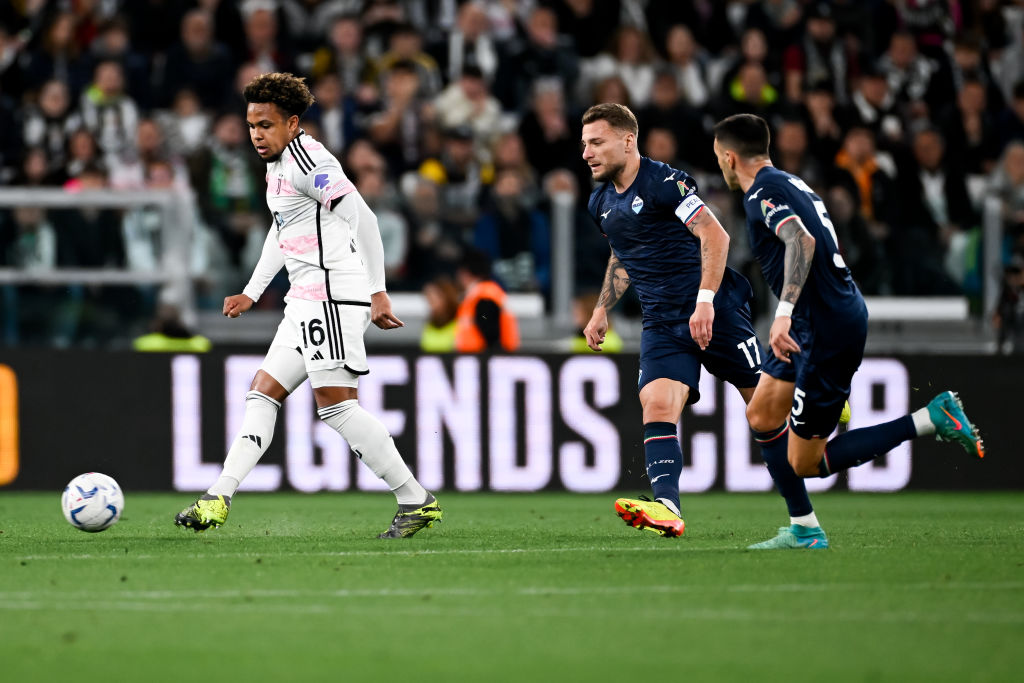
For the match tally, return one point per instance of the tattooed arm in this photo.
(616, 282)
(797, 266)
(714, 251)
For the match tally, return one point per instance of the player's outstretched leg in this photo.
(795, 536)
(208, 511)
(650, 515)
(371, 443)
(411, 518)
(946, 412)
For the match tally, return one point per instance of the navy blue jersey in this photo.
(775, 198)
(646, 227)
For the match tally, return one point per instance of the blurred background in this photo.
(132, 201)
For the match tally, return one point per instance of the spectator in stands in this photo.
(551, 140)
(113, 43)
(661, 145)
(1010, 123)
(819, 56)
(825, 135)
(750, 92)
(863, 244)
(1008, 318)
(380, 18)
(470, 45)
(442, 297)
(780, 23)
(108, 112)
(688, 63)
(89, 238)
(397, 128)
(467, 102)
(186, 125)
(872, 105)
(590, 246)
(909, 74)
(335, 111)
(631, 58)
(229, 183)
(1007, 185)
(57, 56)
(35, 171)
(589, 24)
(198, 62)
(610, 89)
(516, 236)
(540, 55)
(405, 46)
(968, 126)
(483, 321)
(667, 111)
(437, 244)
(791, 153)
(263, 43)
(874, 185)
(28, 241)
(933, 211)
(130, 169)
(753, 50)
(460, 176)
(50, 123)
(82, 152)
(382, 197)
(343, 55)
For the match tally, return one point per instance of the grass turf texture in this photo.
(917, 587)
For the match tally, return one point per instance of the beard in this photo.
(608, 173)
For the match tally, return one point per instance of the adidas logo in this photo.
(317, 356)
(255, 439)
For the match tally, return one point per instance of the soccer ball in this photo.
(92, 502)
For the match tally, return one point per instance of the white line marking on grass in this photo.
(369, 553)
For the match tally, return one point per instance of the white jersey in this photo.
(319, 248)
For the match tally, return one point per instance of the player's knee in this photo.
(762, 420)
(804, 467)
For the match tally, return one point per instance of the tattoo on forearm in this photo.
(616, 282)
(797, 264)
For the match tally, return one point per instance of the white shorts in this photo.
(322, 340)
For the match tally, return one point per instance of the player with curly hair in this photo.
(327, 238)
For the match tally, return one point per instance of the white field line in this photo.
(368, 553)
(94, 597)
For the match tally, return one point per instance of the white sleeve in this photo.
(363, 223)
(271, 261)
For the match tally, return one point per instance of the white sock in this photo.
(923, 422)
(372, 444)
(670, 505)
(250, 444)
(809, 521)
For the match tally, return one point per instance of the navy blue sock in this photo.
(858, 446)
(664, 460)
(774, 449)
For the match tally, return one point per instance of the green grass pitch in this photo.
(545, 587)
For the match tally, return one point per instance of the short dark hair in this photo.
(290, 93)
(617, 115)
(745, 134)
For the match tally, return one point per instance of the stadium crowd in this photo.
(459, 120)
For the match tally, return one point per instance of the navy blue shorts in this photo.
(734, 354)
(822, 373)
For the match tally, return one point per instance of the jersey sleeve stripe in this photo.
(784, 221)
(305, 153)
(299, 161)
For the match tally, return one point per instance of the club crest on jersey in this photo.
(638, 204)
(320, 181)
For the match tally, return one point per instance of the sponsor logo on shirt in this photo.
(320, 181)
